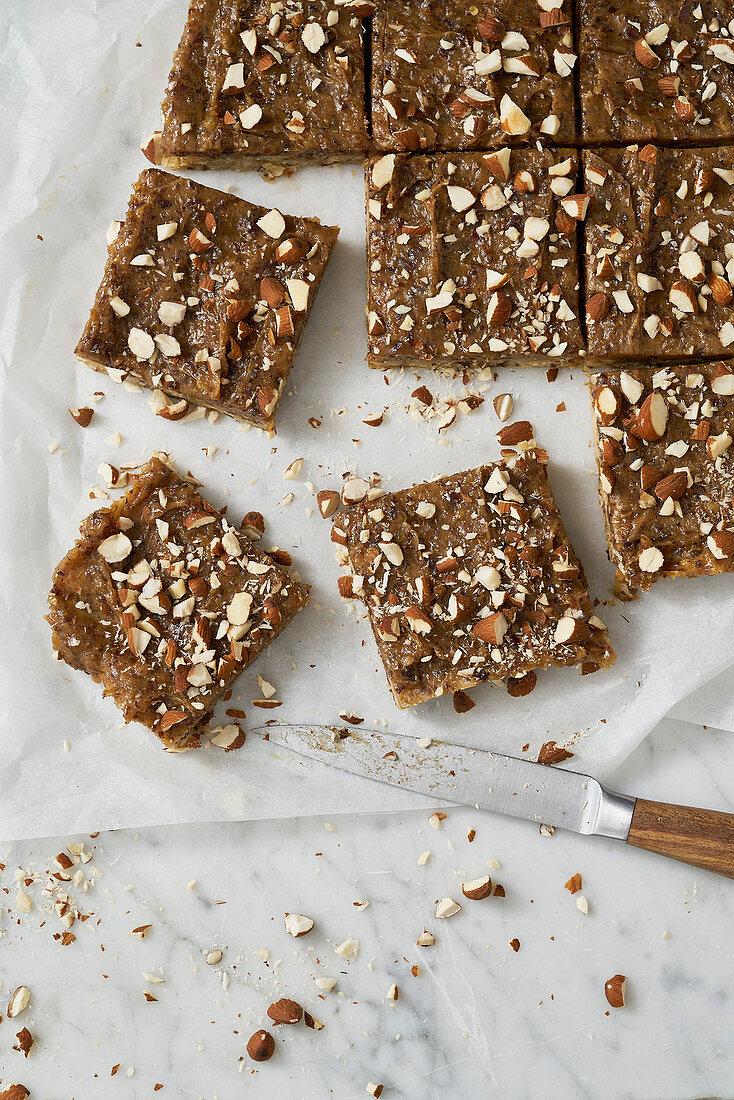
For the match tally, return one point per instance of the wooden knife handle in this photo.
(704, 838)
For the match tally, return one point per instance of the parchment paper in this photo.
(710, 705)
(81, 84)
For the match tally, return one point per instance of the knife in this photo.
(519, 788)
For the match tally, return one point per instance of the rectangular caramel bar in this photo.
(659, 252)
(272, 86)
(205, 296)
(666, 470)
(657, 70)
(471, 578)
(164, 603)
(472, 259)
(450, 75)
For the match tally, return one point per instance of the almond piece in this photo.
(631, 388)
(261, 1046)
(608, 404)
(253, 525)
(597, 307)
(492, 629)
(272, 292)
(684, 109)
(576, 206)
(691, 267)
(649, 477)
(498, 163)
(285, 1011)
(346, 587)
(721, 291)
(614, 990)
(19, 1001)
(230, 737)
(141, 344)
(382, 171)
(499, 309)
(607, 480)
(284, 326)
(447, 907)
(327, 501)
(175, 411)
(272, 223)
(723, 382)
(574, 884)
(571, 631)
(297, 925)
(25, 1041)
(669, 85)
(291, 250)
(650, 560)
(267, 399)
(646, 55)
(522, 685)
(652, 418)
(503, 406)
(198, 243)
(717, 444)
(418, 622)
(673, 486)
(721, 544)
(423, 394)
(477, 889)
(151, 149)
(354, 490)
(82, 416)
(683, 297)
(462, 702)
(519, 432)
(115, 548)
(171, 718)
(512, 120)
(16, 1092)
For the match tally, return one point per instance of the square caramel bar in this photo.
(471, 578)
(659, 252)
(164, 603)
(205, 296)
(666, 470)
(472, 259)
(657, 70)
(266, 85)
(450, 75)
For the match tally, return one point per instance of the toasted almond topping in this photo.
(140, 343)
(382, 171)
(115, 548)
(272, 223)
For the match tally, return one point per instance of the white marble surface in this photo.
(479, 1020)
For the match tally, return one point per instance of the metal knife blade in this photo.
(471, 777)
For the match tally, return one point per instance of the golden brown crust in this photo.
(165, 603)
(182, 306)
(469, 579)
